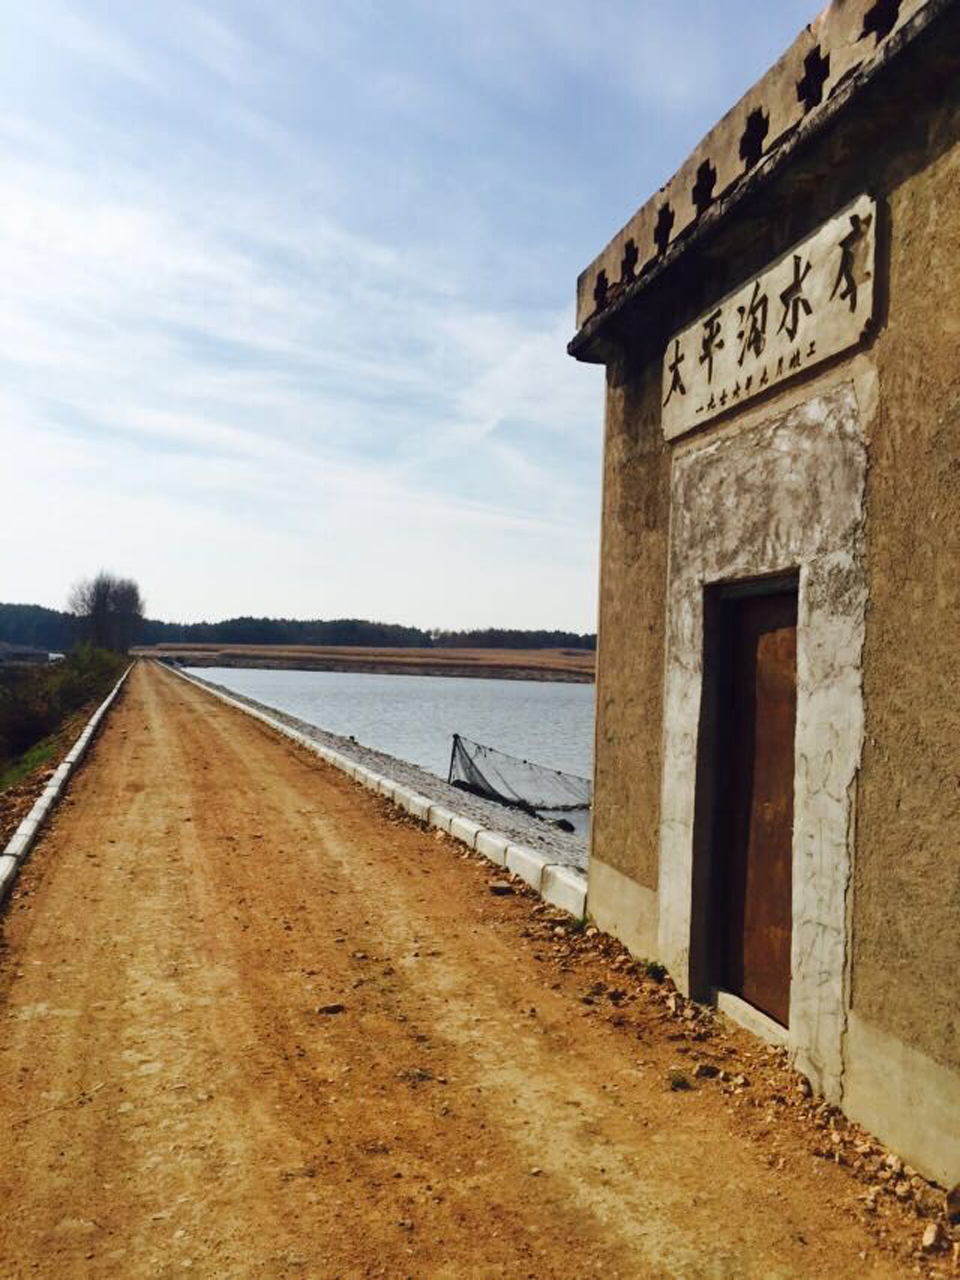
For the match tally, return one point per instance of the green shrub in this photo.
(35, 701)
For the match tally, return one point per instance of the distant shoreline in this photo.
(570, 666)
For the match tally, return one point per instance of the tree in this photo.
(109, 610)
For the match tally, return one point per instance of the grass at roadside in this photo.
(48, 693)
(43, 753)
(36, 703)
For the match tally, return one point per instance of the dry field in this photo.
(513, 664)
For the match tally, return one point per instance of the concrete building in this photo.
(777, 791)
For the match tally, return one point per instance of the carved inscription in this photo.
(814, 302)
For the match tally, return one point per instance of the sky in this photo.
(287, 287)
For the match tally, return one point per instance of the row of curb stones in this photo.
(562, 886)
(21, 842)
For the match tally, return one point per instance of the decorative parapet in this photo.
(827, 64)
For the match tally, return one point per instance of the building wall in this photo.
(897, 1039)
(626, 807)
(906, 916)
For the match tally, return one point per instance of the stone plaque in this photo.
(814, 302)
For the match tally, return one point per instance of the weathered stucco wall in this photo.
(781, 495)
(626, 813)
(906, 917)
(883, 1035)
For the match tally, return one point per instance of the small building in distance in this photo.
(777, 790)
(21, 655)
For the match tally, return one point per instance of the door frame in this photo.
(774, 493)
(705, 929)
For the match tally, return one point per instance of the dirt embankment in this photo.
(255, 1022)
(570, 665)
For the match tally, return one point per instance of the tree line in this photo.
(506, 638)
(108, 611)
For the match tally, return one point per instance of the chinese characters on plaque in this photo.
(813, 303)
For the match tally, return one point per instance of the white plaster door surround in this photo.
(786, 494)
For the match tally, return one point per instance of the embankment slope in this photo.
(503, 664)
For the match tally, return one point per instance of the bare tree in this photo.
(109, 610)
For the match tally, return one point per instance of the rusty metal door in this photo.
(756, 722)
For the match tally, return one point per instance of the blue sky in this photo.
(287, 288)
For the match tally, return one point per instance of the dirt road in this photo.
(252, 1023)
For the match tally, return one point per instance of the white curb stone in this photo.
(565, 887)
(441, 817)
(465, 830)
(526, 863)
(416, 805)
(8, 873)
(493, 847)
(19, 844)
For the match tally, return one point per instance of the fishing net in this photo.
(497, 776)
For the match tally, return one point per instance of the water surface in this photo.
(414, 717)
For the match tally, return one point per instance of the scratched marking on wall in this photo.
(814, 302)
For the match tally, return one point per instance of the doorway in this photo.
(754, 665)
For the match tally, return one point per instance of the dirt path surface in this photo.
(254, 1023)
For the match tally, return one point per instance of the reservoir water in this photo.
(414, 717)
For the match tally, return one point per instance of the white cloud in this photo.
(198, 381)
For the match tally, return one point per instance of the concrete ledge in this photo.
(526, 863)
(20, 843)
(745, 1015)
(493, 846)
(909, 1101)
(565, 887)
(623, 907)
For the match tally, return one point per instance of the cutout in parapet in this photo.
(703, 187)
(880, 19)
(751, 141)
(661, 232)
(600, 289)
(816, 73)
(628, 264)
